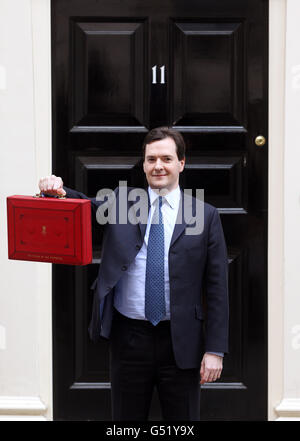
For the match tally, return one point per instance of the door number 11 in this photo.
(162, 74)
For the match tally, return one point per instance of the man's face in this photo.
(161, 164)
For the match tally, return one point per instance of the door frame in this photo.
(41, 26)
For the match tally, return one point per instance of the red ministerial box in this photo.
(49, 230)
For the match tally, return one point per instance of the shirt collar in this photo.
(173, 197)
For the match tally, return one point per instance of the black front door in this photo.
(120, 68)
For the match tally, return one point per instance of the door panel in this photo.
(224, 179)
(205, 55)
(120, 69)
(106, 89)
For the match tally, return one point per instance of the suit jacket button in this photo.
(137, 247)
(124, 268)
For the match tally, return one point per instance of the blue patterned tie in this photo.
(155, 308)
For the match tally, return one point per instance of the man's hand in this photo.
(52, 185)
(211, 368)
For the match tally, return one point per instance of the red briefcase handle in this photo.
(40, 195)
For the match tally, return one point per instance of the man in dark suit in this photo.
(161, 293)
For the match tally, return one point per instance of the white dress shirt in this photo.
(129, 297)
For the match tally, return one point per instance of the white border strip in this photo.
(277, 32)
(41, 58)
(289, 409)
(21, 405)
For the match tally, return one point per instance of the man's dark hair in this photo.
(160, 133)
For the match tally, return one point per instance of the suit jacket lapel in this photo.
(185, 208)
(142, 229)
(135, 207)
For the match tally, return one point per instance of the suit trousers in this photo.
(142, 358)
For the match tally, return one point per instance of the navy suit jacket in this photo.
(198, 273)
